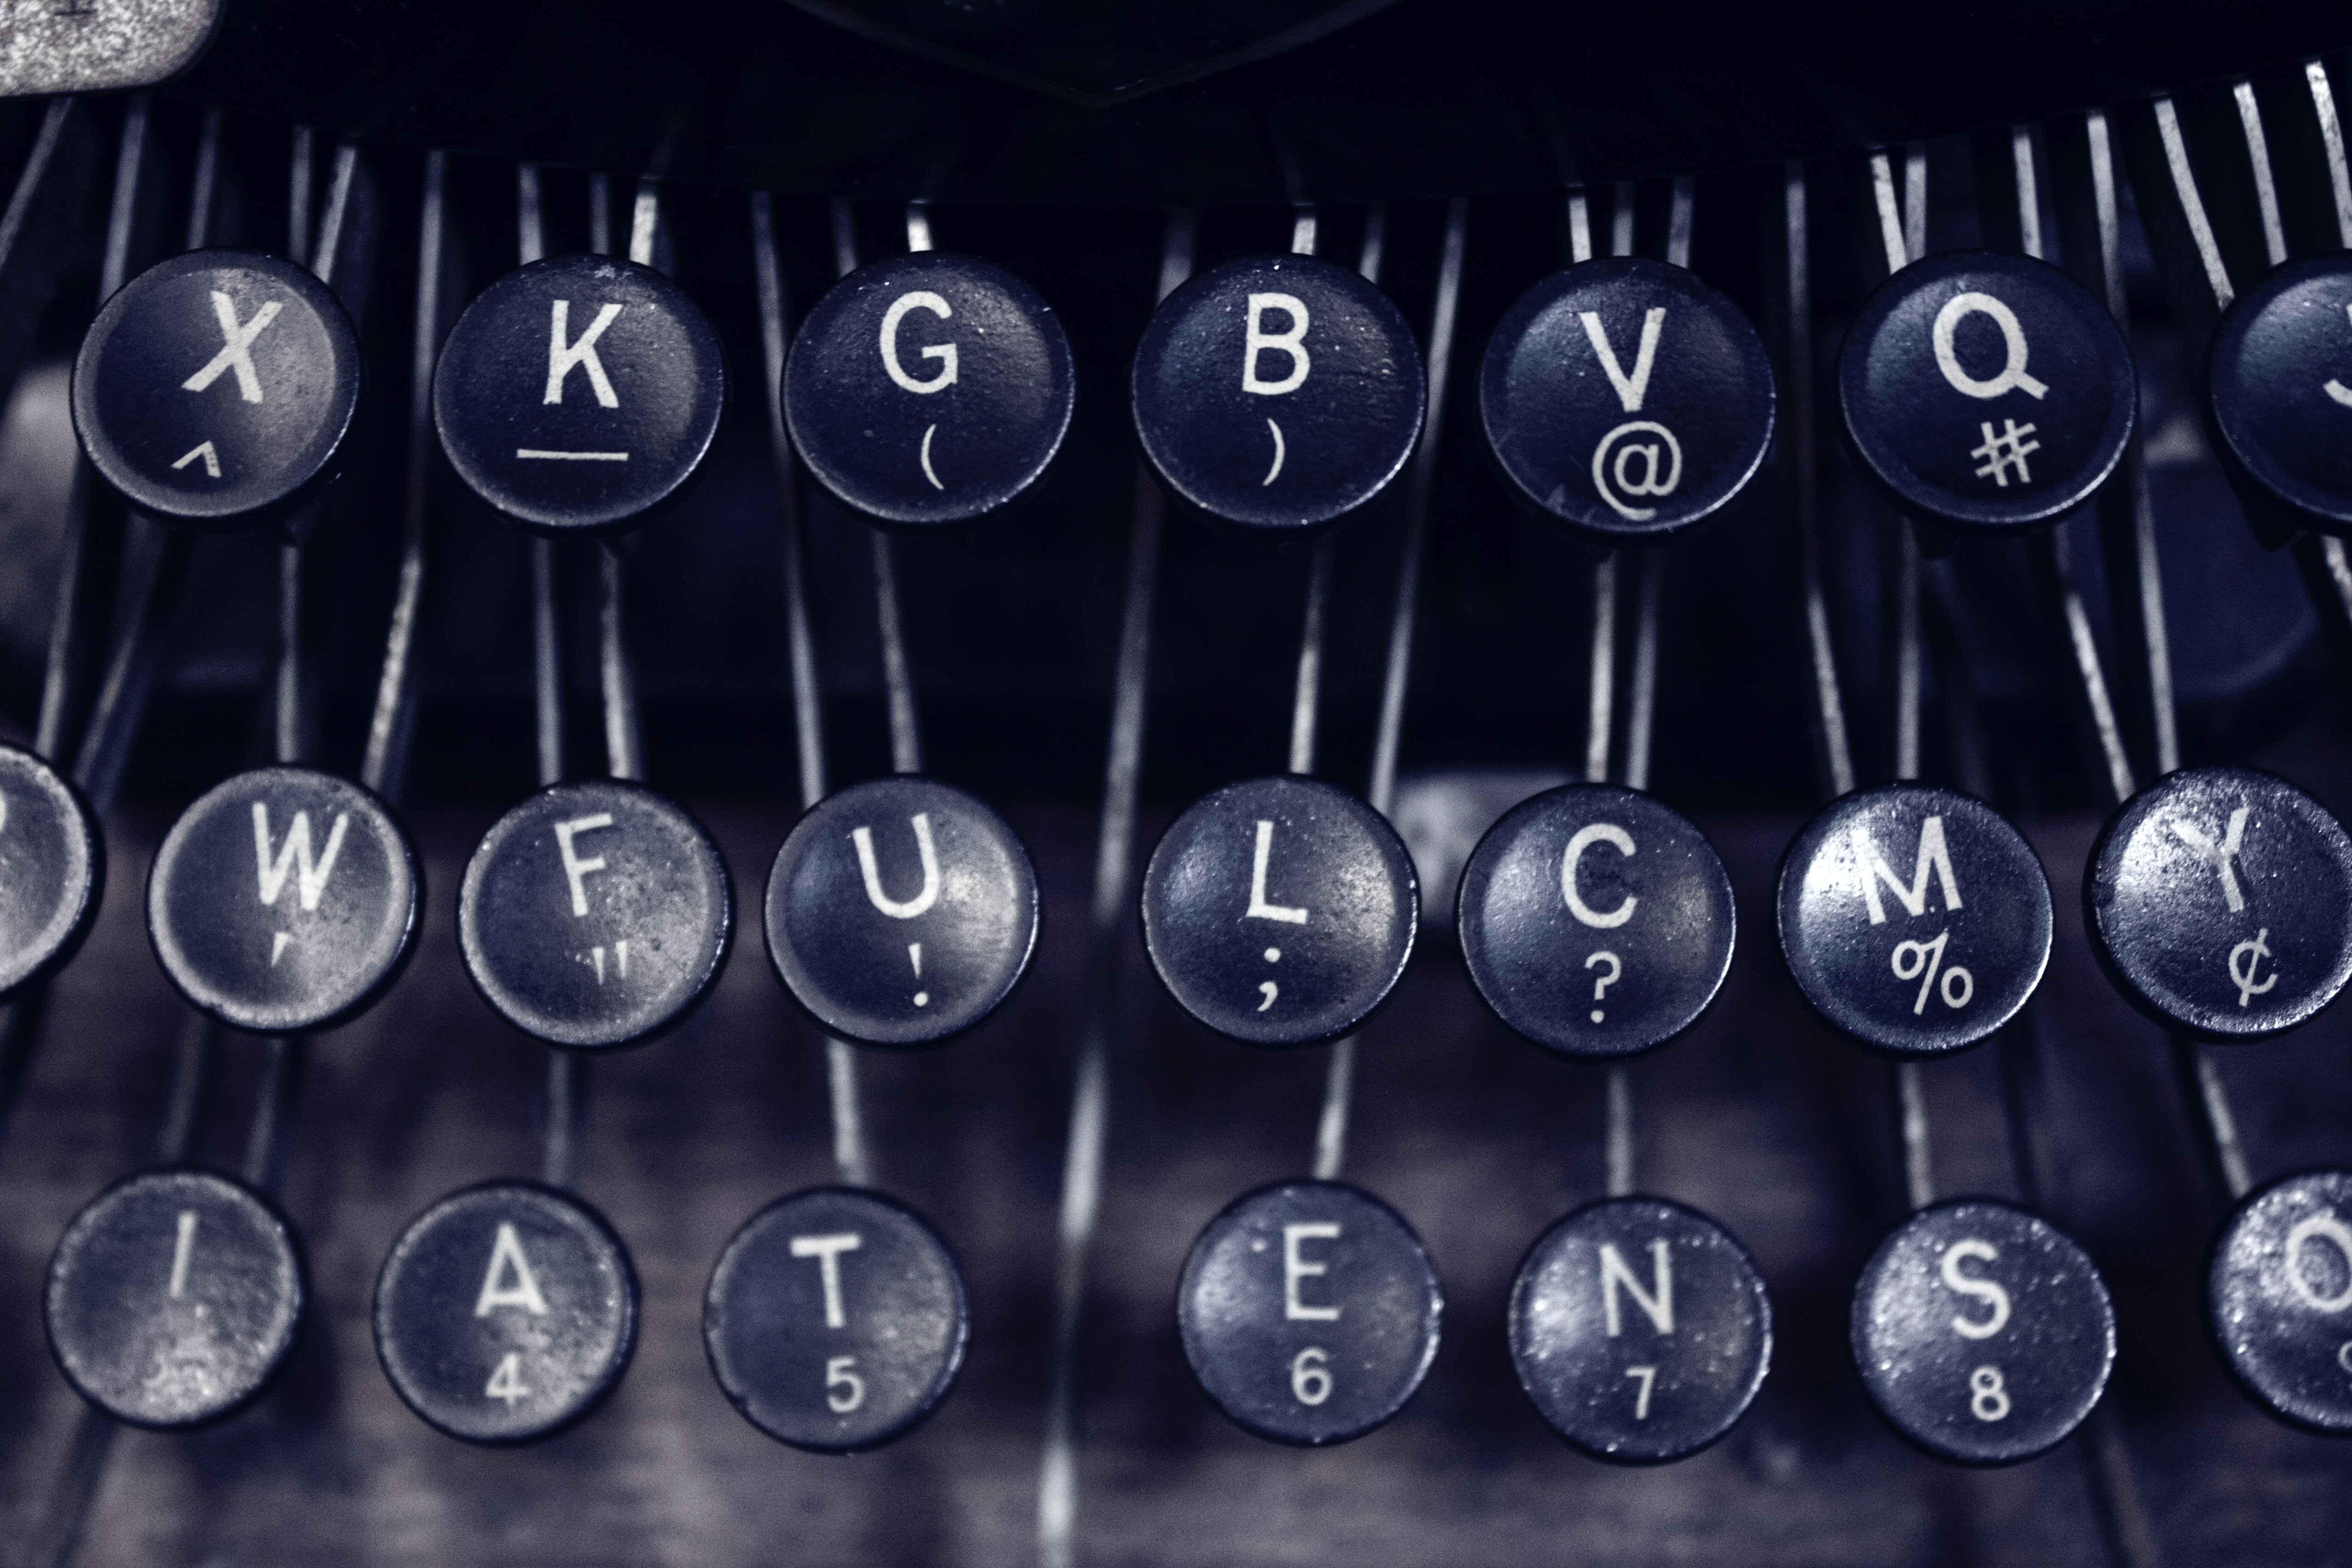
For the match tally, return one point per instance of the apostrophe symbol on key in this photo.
(1616, 972)
(915, 955)
(2253, 952)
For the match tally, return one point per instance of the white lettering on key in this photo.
(1657, 1303)
(2220, 856)
(1631, 389)
(575, 869)
(1294, 1268)
(508, 1281)
(871, 871)
(1256, 340)
(1585, 837)
(2013, 375)
(827, 1251)
(310, 878)
(2335, 388)
(236, 350)
(1258, 907)
(562, 358)
(1933, 856)
(940, 380)
(2324, 1227)
(182, 1249)
(1985, 1290)
(205, 450)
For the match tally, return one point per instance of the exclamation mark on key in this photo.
(915, 952)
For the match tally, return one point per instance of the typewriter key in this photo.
(1595, 920)
(173, 1298)
(595, 915)
(1640, 1330)
(1982, 1333)
(1278, 393)
(835, 1319)
(505, 1312)
(2277, 379)
(1985, 391)
(901, 912)
(2219, 901)
(1309, 1311)
(1627, 399)
(2280, 1294)
(214, 389)
(1915, 919)
(283, 901)
(930, 389)
(52, 870)
(1280, 912)
(579, 394)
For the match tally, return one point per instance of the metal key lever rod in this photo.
(1090, 1125)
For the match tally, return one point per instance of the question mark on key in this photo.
(1616, 968)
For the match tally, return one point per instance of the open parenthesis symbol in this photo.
(1615, 458)
(928, 473)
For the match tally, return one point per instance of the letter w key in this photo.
(236, 348)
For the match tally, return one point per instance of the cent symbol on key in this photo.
(835, 1319)
(1309, 1311)
(1640, 1330)
(930, 389)
(214, 389)
(1627, 399)
(285, 900)
(1915, 919)
(505, 1312)
(1595, 920)
(2280, 1297)
(2219, 901)
(579, 394)
(2279, 382)
(901, 912)
(1278, 393)
(52, 870)
(1982, 1333)
(595, 915)
(173, 1298)
(1986, 392)
(1280, 912)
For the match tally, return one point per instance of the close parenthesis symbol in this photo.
(1279, 452)
(929, 473)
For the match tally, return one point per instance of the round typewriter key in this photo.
(173, 1298)
(1640, 1330)
(1915, 919)
(1280, 912)
(1987, 391)
(214, 389)
(2278, 376)
(505, 1312)
(580, 394)
(1595, 920)
(1627, 399)
(2220, 901)
(930, 389)
(1982, 1333)
(1278, 393)
(2280, 1298)
(52, 870)
(835, 1319)
(901, 912)
(1309, 1311)
(595, 915)
(283, 901)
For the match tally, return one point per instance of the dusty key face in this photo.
(835, 1319)
(901, 912)
(595, 915)
(1982, 1333)
(173, 1298)
(2219, 901)
(52, 870)
(1280, 912)
(2280, 1297)
(579, 394)
(1627, 399)
(2279, 385)
(283, 901)
(930, 389)
(1277, 392)
(214, 389)
(1595, 920)
(1915, 919)
(1987, 391)
(1309, 1312)
(1640, 1330)
(505, 1312)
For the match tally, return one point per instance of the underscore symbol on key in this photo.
(202, 449)
(2254, 953)
(2005, 451)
